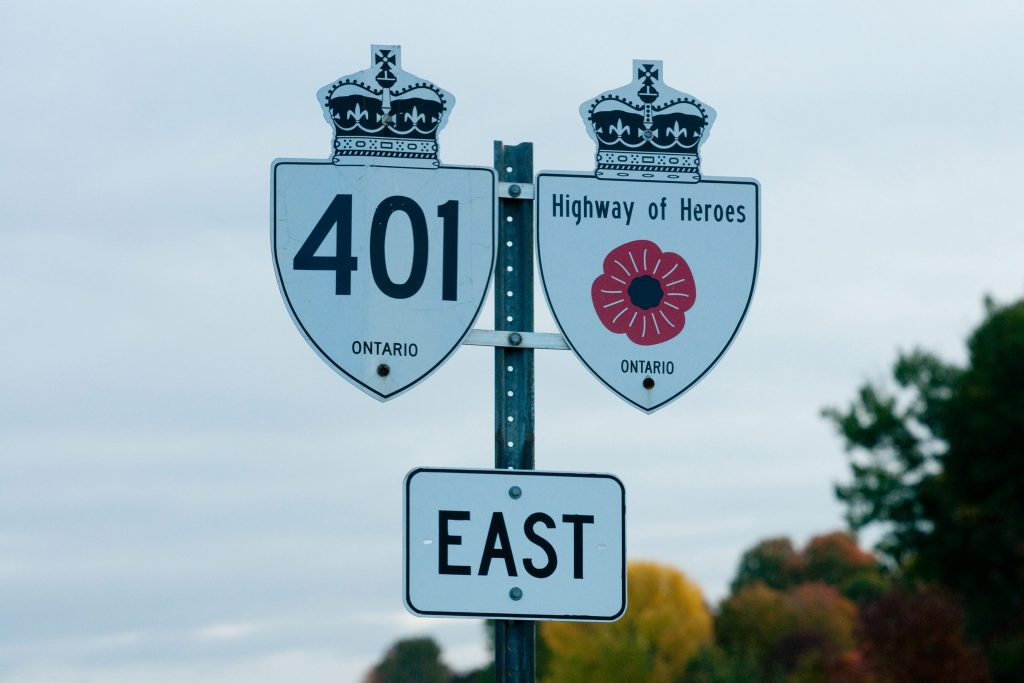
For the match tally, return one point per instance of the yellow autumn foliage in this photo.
(665, 623)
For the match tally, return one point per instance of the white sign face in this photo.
(648, 281)
(383, 269)
(515, 544)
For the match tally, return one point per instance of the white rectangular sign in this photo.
(514, 544)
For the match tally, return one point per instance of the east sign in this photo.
(514, 544)
(383, 255)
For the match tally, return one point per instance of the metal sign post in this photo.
(514, 641)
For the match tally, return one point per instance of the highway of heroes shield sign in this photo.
(384, 269)
(648, 281)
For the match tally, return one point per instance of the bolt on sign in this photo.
(383, 255)
(647, 265)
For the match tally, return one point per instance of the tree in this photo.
(712, 665)
(837, 560)
(977, 545)
(895, 440)
(936, 463)
(773, 562)
(665, 624)
(820, 632)
(752, 622)
(918, 637)
(804, 634)
(833, 558)
(414, 660)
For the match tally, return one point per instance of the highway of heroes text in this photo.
(564, 205)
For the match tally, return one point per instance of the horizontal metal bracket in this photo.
(517, 340)
(515, 190)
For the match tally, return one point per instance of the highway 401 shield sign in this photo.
(648, 267)
(383, 256)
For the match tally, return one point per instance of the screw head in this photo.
(514, 190)
(516, 593)
(383, 370)
(515, 493)
(648, 383)
(648, 135)
(515, 339)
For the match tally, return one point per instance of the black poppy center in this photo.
(645, 292)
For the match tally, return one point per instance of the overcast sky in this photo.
(187, 493)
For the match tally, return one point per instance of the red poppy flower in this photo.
(644, 292)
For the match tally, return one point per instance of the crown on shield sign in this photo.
(647, 130)
(385, 114)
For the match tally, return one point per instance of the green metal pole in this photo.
(515, 641)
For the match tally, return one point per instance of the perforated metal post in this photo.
(515, 641)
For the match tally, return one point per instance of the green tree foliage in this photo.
(977, 545)
(895, 441)
(820, 638)
(752, 622)
(773, 562)
(804, 634)
(936, 462)
(793, 612)
(834, 559)
(712, 665)
(837, 560)
(414, 660)
(665, 624)
(917, 637)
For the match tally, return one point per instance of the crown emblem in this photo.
(647, 130)
(385, 114)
